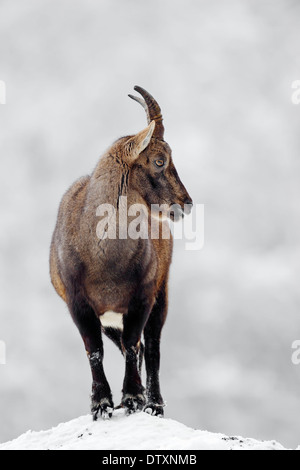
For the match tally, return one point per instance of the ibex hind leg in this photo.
(141, 358)
(116, 337)
(89, 327)
(152, 332)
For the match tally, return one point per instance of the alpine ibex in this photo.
(119, 286)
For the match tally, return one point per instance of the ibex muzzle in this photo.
(119, 287)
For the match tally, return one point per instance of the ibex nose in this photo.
(188, 204)
(188, 200)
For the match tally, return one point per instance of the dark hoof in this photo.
(104, 408)
(154, 409)
(133, 403)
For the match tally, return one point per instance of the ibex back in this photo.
(119, 286)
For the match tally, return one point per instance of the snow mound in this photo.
(134, 432)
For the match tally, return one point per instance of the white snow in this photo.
(134, 432)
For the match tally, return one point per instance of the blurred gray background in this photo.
(222, 73)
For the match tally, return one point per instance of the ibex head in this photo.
(153, 173)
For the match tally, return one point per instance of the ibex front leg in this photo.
(152, 333)
(134, 322)
(89, 327)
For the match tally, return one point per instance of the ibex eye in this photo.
(159, 163)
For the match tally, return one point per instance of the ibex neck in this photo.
(110, 180)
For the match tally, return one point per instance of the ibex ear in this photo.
(139, 142)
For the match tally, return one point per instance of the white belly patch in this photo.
(112, 319)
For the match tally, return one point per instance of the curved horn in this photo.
(152, 110)
(142, 103)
